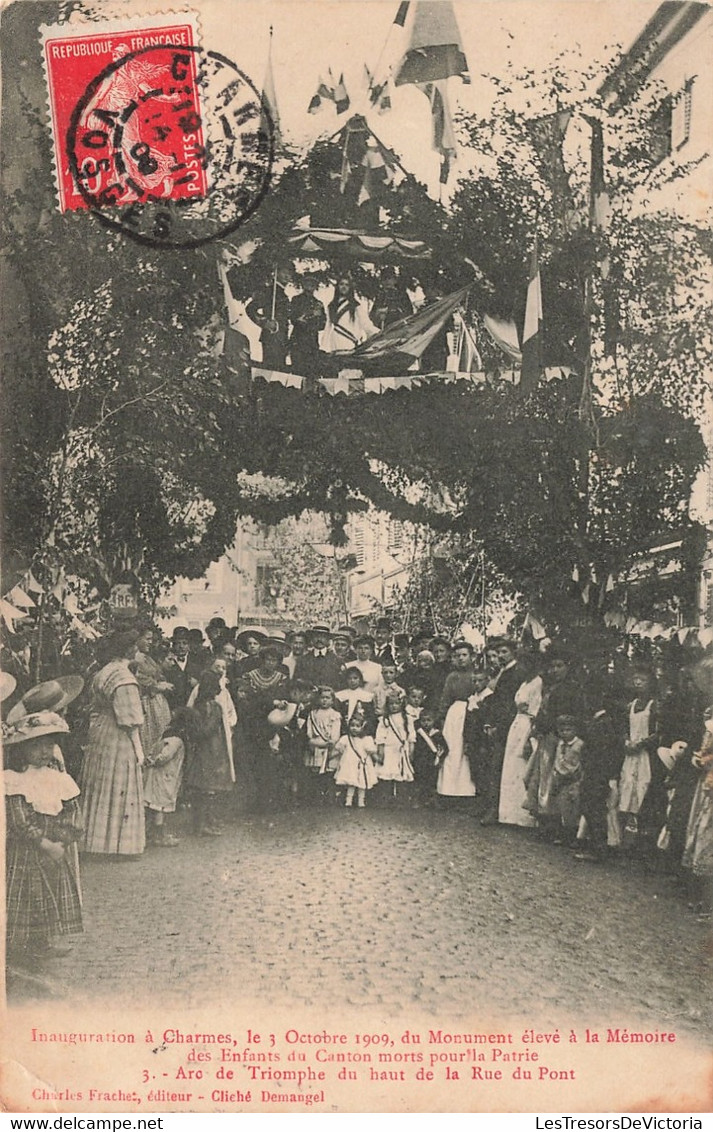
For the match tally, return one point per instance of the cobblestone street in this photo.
(397, 910)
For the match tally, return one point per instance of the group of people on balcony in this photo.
(302, 327)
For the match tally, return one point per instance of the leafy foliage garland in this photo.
(124, 431)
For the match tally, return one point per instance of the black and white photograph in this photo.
(357, 556)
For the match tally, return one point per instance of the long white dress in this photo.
(513, 792)
(454, 778)
(347, 330)
(635, 776)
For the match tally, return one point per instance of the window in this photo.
(660, 130)
(681, 116)
(266, 586)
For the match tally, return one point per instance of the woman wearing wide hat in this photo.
(112, 784)
(44, 822)
(250, 641)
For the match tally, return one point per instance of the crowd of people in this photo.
(608, 757)
(298, 330)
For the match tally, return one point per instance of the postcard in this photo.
(266, 260)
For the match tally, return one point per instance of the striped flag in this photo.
(443, 137)
(435, 48)
(379, 91)
(323, 93)
(532, 330)
(341, 98)
(270, 99)
(411, 335)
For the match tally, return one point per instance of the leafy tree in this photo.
(126, 437)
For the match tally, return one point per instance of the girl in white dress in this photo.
(394, 744)
(348, 322)
(356, 768)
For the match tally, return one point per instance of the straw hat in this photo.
(251, 631)
(34, 726)
(50, 696)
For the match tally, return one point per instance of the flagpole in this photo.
(274, 294)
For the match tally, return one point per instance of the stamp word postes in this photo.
(167, 143)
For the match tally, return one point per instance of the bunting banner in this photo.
(655, 631)
(435, 49)
(17, 596)
(353, 381)
(10, 614)
(379, 91)
(323, 93)
(365, 247)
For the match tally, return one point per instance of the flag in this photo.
(377, 170)
(400, 17)
(323, 93)
(341, 98)
(443, 139)
(435, 49)
(270, 99)
(411, 335)
(504, 335)
(531, 369)
(600, 218)
(547, 135)
(599, 203)
(379, 91)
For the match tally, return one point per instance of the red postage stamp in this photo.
(125, 111)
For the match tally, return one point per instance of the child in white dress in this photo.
(324, 726)
(356, 753)
(394, 743)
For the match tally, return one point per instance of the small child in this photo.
(211, 772)
(353, 696)
(356, 752)
(394, 745)
(388, 687)
(324, 726)
(44, 823)
(163, 774)
(428, 753)
(567, 780)
(415, 699)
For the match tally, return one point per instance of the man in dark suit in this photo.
(321, 666)
(383, 653)
(270, 310)
(181, 670)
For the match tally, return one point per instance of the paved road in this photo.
(404, 909)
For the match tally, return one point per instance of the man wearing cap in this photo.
(342, 646)
(180, 669)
